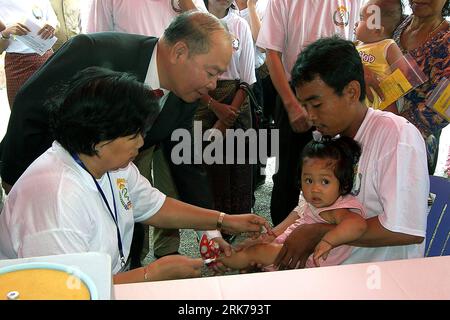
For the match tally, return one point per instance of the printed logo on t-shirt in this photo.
(367, 57)
(357, 176)
(123, 194)
(341, 17)
(235, 44)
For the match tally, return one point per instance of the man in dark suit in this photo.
(193, 51)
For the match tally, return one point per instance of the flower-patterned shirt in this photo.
(434, 60)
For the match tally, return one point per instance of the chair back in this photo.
(438, 222)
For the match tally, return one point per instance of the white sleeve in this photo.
(403, 184)
(50, 15)
(300, 208)
(53, 242)
(146, 199)
(60, 228)
(272, 34)
(247, 57)
(100, 16)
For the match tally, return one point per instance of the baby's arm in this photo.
(264, 254)
(350, 227)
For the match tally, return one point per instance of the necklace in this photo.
(435, 29)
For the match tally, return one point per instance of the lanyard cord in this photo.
(102, 194)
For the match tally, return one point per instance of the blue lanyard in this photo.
(113, 215)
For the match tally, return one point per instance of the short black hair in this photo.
(344, 152)
(195, 29)
(335, 60)
(97, 105)
(446, 9)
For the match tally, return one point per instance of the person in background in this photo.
(253, 12)
(146, 17)
(425, 35)
(227, 106)
(93, 192)
(68, 13)
(374, 44)
(21, 62)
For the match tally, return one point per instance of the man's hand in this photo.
(299, 245)
(298, 117)
(322, 250)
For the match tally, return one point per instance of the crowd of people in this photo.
(87, 160)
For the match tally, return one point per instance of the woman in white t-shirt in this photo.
(228, 107)
(21, 61)
(84, 194)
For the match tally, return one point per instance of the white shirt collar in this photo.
(152, 77)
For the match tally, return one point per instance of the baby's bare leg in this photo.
(263, 254)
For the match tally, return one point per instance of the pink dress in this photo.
(308, 214)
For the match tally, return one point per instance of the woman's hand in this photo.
(17, 29)
(322, 250)
(46, 32)
(222, 127)
(225, 113)
(233, 224)
(174, 267)
(225, 248)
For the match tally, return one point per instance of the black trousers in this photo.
(286, 182)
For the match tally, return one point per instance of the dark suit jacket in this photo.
(28, 134)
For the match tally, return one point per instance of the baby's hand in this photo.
(249, 242)
(321, 251)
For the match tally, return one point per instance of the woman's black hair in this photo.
(344, 153)
(97, 105)
(232, 6)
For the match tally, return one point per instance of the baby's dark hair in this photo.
(391, 14)
(344, 153)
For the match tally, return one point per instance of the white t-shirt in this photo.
(261, 5)
(392, 183)
(14, 11)
(289, 26)
(145, 17)
(55, 208)
(242, 65)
